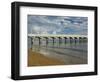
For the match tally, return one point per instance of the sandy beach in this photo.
(37, 59)
(53, 58)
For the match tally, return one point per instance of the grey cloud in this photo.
(57, 24)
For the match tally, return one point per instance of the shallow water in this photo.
(69, 52)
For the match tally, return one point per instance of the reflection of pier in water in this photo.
(71, 49)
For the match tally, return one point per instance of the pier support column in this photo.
(60, 40)
(53, 39)
(31, 38)
(65, 39)
(39, 38)
(46, 40)
(80, 39)
(75, 39)
(84, 39)
(71, 40)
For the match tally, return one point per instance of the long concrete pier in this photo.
(61, 38)
(54, 35)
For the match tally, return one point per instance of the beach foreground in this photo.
(37, 59)
(46, 59)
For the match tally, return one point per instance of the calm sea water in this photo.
(62, 51)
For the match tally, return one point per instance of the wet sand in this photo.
(69, 57)
(49, 56)
(37, 59)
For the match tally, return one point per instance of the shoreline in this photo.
(36, 58)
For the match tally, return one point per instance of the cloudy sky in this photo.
(57, 25)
